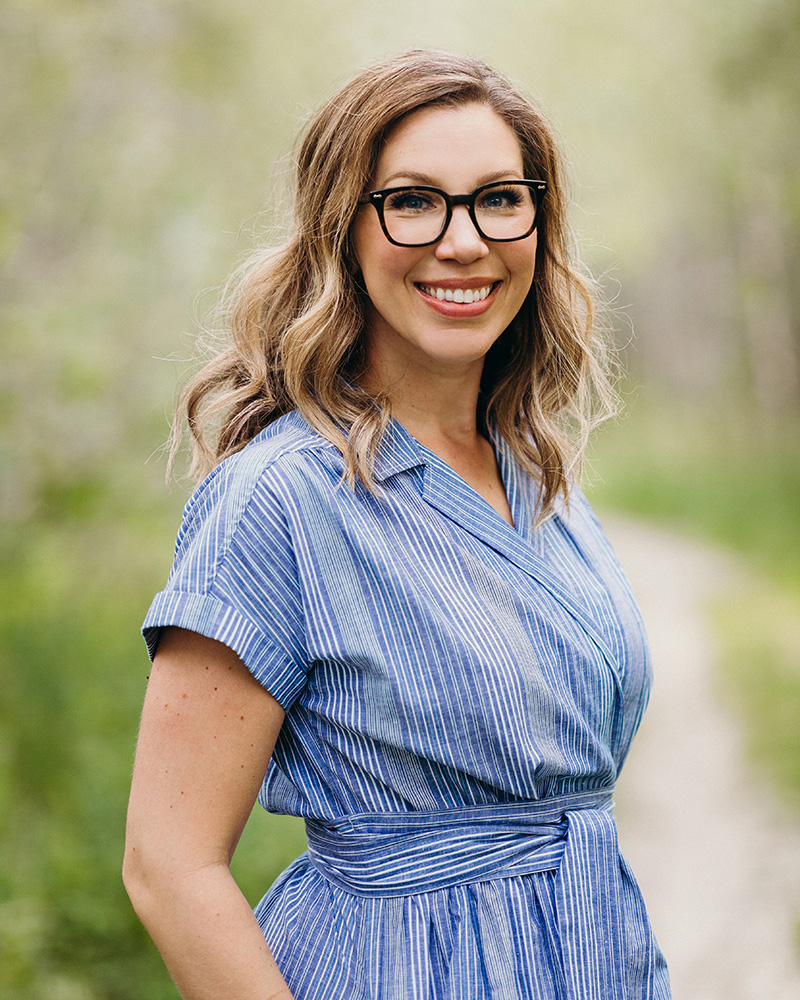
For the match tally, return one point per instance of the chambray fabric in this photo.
(460, 696)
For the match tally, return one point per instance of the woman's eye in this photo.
(409, 202)
(500, 199)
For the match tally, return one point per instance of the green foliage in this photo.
(69, 661)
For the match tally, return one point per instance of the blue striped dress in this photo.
(460, 696)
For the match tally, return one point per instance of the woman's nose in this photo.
(461, 240)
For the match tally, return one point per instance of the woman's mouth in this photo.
(454, 300)
(465, 295)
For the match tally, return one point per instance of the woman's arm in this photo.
(207, 733)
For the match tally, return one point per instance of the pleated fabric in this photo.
(460, 697)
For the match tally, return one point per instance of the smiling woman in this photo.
(423, 311)
(391, 610)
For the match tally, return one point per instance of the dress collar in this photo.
(398, 451)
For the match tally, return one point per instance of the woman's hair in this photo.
(297, 316)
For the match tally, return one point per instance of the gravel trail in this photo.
(717, 858)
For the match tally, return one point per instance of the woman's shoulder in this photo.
(288, 441)
(262, 471)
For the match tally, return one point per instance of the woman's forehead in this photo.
(431, 145)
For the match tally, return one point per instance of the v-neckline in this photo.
(440, 468)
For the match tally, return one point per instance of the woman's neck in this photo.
(434, 407)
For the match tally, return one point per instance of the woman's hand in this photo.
(207, 733)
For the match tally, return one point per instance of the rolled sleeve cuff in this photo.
(278, 673)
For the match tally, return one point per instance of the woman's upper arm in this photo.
(208, 730)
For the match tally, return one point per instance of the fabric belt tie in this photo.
(402, 854)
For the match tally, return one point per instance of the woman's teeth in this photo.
(465, 295)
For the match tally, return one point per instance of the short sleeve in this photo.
(234, 578)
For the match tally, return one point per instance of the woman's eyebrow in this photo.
(415, 177)
(410, 175)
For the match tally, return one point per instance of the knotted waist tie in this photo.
(401, 854)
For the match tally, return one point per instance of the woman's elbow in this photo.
(137, 877)
(159, 876)
(147, 874)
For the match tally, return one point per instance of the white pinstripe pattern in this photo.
(460, 697)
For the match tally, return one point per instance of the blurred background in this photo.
(142, 145)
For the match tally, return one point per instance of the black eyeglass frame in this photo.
(377, 199)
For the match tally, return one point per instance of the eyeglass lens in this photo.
(505, 211)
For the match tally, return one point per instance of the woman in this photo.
(391, 610)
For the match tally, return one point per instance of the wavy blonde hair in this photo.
(297, 317)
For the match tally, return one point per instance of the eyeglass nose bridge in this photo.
(462, 199)
(453, 201)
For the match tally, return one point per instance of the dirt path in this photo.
(718, 863)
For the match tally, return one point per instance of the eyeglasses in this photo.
(418, 216)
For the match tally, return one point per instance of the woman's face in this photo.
(408, 324)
